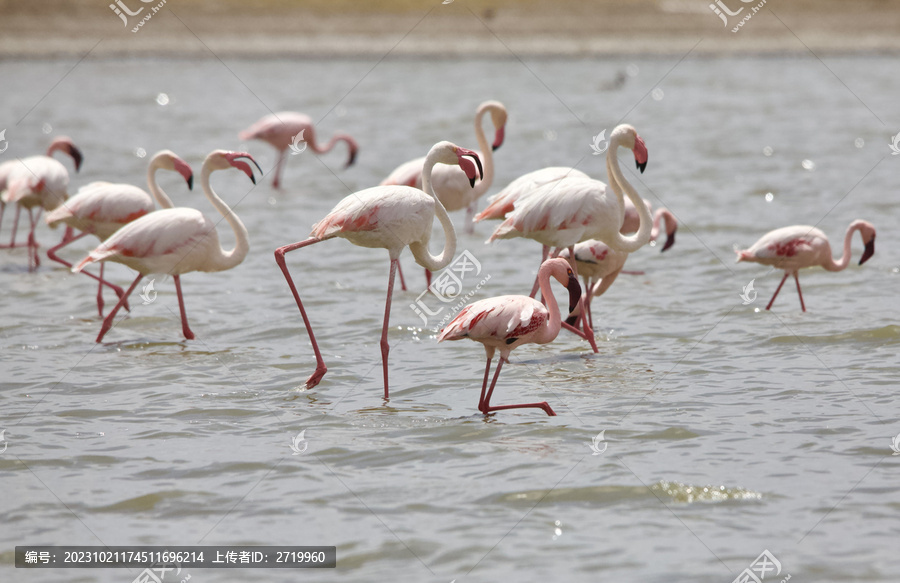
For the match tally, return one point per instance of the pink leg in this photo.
(120, 293)
(427, 279)
(537, 285)
(772, 301)
(321, 369)
(487, 408)
(588, 332)
(108, 321)
(278, 167)
(797, 279)
(633, 272)
(402, 281)
(33, 260)
(487, 373)
(184, 323)
(385, 348)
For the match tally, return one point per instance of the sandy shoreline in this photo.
(190, 28)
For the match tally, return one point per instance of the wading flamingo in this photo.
(289, 129)
(599, 265)
(563, 213)
(451, 185)
(507, 322)
(392, 218)
(177, 240)
(102, 208)
(39, 182)
(793, 248)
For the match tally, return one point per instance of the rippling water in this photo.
(729, 430)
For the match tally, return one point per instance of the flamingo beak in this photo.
(498, 138)
(182, 168)
(870, 250)
(574, 293)
(640, 153)
(234, 159)
(670, 240)
(352, 159)
(468, 167)
(76, 157)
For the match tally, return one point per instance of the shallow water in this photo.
(729, 429)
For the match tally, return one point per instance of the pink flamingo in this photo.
(793, 248)
(177, 240)
(392, 218)
(289, 129)
(507, 322)
(102, 208)
(599, 265)
(570, 210)
(450, 183)
(40, 182)
(503, 203)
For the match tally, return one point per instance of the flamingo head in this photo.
(671, 226)
(352, 145)
(562, 271)
(65, 144)
(626, 136)
(498, 118)
(168, 160)
(867, 231)
(222, 160)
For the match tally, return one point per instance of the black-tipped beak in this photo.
(480, 169)
(253, 179)
(190, 182)
(670, 240)
(77, 157)
(352, 159)
(870, 250)
(257, 167)
(640, 166)
(574, 293)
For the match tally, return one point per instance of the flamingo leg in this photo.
(487, 408)
(385, 347)
(51, 254)
(108, 321)
(403, 281)
(772, 301)
(427, 279)
(534, 288)
(800, 293)
(588, 331)
(470, 216)
(184, 323)
(278, 168)
(33, 260)
(487, 373)
(321, 369)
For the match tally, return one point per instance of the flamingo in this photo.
(793, 248)
(177, 240)
(570, 210)
(286, 130)
(388, 217)
(450, 182)
(507, 322)
(39, 181)
(102, 208)
(503, 203)
(599, 265)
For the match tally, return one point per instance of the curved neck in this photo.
(487, 153)
(551, 331)
(618, 183)
(161, 197)
(226, 259)
(420, 249)
(327, 147)
(832, 265)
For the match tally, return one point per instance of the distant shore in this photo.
(315, 28)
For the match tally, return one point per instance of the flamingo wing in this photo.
(796, 246)
(502, 318)
(504, 201)
(408, 173)
(104, 202)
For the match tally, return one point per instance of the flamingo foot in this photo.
(543, 406)
(316, 377)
